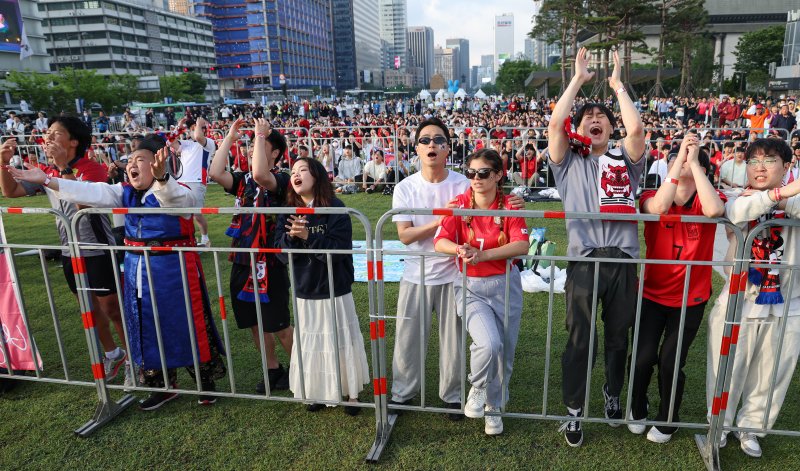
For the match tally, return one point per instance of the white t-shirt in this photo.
(195, 159)
(416, 192)
(736, 174)
(659, 167)
(375, 171)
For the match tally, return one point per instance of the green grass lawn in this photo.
(36, 430)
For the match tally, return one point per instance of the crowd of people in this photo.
(303, 154)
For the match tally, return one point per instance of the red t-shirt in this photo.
(678, 241)
(486, 232)
(527, 167)
(88, 170)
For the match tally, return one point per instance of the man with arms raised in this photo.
(591, 177)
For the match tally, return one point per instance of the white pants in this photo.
(753, 365)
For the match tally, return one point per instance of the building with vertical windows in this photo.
(420, 48)
(394, 27)
(445, 63)
(503, 40)
(38, 61)
(460, 48)
(128, 37)
(787, 75)
(486, 70)
(300, 44)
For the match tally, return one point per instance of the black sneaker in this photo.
(260, 388)
(315, 407)
(157, 399)
(612, 409)
(572, 430)
(454, 416)
(370, 190)
(397, 403)
(205, 400)
(352, 410)
(278, 379)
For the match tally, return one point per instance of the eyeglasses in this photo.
(438, 140)
(482, 173)
(768, 163)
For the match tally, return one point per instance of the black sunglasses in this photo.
(438, 140)
(482, 173)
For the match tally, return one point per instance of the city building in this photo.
(445, 63)
(394, 28)
(356, 43)
(37, 58)
(486, 70)
(460, 47)
(128, 37)
(420, 47)
(503, 40)
(300, 53)
(787, 75)
(179, 6)
(473, 76)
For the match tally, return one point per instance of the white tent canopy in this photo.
(441, 94)
(460, 93)
(424, 94)
(480, 95)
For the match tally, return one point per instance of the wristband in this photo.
(162, 179)
(674, 181)
(261, 135)
(777, 194)
(620, 89)
(47, 180)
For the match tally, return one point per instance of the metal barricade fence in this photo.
(389, 419)
(709, 445)
(363, 142)
(148, 251)
(29, 340)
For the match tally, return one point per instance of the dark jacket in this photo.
(326, 232)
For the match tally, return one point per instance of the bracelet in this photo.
(47, 180)
(674, 181)
(620, 89)
(777, 194)
(261, 135)
(163, 179)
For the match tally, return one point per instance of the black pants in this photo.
(617, 290)
(658, 320)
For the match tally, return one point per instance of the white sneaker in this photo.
(475, 403)
(204, 242)
(723, 440)
(748, 442)
(129, 381)
(635, 428)
(657, 436)
(494, 423)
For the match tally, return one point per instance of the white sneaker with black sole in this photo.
(475, 403)
(494, 423)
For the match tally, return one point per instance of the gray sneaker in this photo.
(111, 366)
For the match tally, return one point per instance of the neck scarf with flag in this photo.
(615, 192)
(581, 145)
(256, 234)
(767, 248)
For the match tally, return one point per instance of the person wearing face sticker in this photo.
(484, 243)
(151, 187)
(65, 144)
(433, 186)
(766, 296)
(590, 177)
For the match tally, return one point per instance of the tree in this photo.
(188, 86)
(71, 83)
(34, 87)
(512, 75)
(684, 33)
(122, 90)
(756, 50)
(558, 22)
(666, 11)
(195, 85)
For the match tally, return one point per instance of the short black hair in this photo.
(434, 122)
(589, 107)
(278, 142)
(152, 142)
(77, 130)
(768, 146)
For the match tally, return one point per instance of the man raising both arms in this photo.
(591, 177)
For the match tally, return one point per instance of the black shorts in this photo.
(99, 269)
(275, 313)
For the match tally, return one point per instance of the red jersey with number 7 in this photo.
(683, 241)
(486, 232)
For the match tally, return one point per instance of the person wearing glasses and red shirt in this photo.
(485, 243)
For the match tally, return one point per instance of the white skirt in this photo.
(315, 323)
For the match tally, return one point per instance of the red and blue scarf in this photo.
(767, 248)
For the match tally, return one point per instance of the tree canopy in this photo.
(756, 50)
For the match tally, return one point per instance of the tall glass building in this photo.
(300, 44)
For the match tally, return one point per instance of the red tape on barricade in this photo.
(381, 329)
(715, 405)
(383, 386)
(373, 331)
(161, 249)
(209, 211)
(88, 320)
(272, 250)
(78, 265)
(379, 268)
(734, 285)
(16, 210)
(370, 270)
(305, 210)
(222, 313)
(442, 212)
(735, 334)
(119, 210)
(98, 371)
(726, 345)
(376, 386)
(554, 214)
(723, 402)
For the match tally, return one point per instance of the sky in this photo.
(472, 20)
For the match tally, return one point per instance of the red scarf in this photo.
(581, 145)
(248, 292)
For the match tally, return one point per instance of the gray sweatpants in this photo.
(409, 336)
(492, 346)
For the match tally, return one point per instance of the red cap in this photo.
(759, 106)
